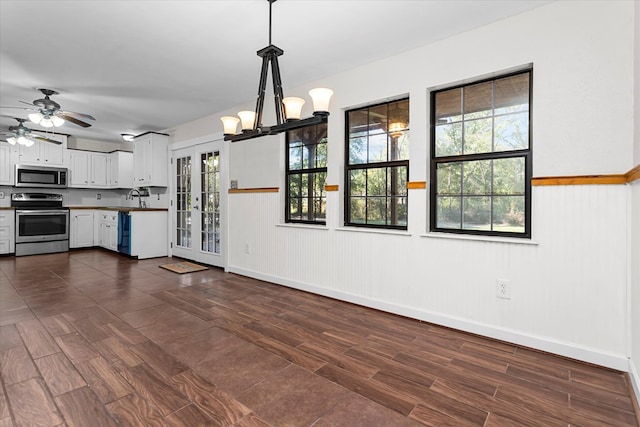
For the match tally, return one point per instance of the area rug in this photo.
(183, 267)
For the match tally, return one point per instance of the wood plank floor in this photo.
(89, 338)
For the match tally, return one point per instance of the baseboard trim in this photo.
(573, 351)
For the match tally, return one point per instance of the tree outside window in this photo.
(481, 157)
(377, 169)
(306, 159)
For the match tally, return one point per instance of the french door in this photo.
(198, 202)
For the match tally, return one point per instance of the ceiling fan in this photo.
(22, 135)
(47, 112)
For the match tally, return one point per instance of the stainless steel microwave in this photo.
(41, 176)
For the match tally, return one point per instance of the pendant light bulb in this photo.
(293, 107)
(248, 119)
(321, 97)
(230, 124)
(12, 141)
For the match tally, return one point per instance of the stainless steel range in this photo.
(42, 223)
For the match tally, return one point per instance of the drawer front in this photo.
(109, 218)
(5, 246)
(6, 219)
(5, 232)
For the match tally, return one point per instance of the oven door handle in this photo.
(41, 212)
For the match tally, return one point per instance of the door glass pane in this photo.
(183, 202)
(210, 191)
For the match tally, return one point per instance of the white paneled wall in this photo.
(568, 289)
(634, 287)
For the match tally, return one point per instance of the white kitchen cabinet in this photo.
(43, 153)
(149, 235)
(6, 164)
(120, 164)
(78, 168)
(108, 221)
(7, 231)
(87, 169)
(150, 160)
(82, 228)
(98, 170)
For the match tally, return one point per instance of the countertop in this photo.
(103, 208)
(118, 208)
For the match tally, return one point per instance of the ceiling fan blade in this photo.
(28, 103)
(73, 120)
(40, 138)
(81, 115)
(18, 108)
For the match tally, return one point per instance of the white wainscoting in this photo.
(634, 287)
(569, 291)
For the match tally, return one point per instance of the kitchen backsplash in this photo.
(158, 197)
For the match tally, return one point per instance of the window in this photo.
(306, 160)
(377, 170)
(481, 157)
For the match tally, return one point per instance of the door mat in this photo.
(183, 267)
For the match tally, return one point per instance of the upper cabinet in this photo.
(44, 153)
(120, 165)
(6, 165)
(150, 160)
(79, 164)
(88, 169)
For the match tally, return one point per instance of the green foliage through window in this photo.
(377, 168)
(481, 157)
(307, 174)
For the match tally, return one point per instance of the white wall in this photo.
(570, 288)
(635, 225)
(95, 145)
(634, 303)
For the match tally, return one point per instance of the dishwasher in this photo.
(124, 232)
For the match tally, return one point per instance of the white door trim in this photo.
(224, 188)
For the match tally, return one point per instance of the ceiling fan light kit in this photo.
(288, 110)
(22, 135)
(46, 113)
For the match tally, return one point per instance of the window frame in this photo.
(526, 154)
(308, 171)
(371, 165)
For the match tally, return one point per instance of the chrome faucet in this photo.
(130, 196)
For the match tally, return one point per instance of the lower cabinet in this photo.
(109, 230)
(81, 228)
(148, 229)
(7, 232)
(149, 235)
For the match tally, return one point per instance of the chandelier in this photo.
(288, 110)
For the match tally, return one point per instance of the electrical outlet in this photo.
(98, 196)
(503, 289)
(247, 248)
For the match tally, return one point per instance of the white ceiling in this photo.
(140, 66)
